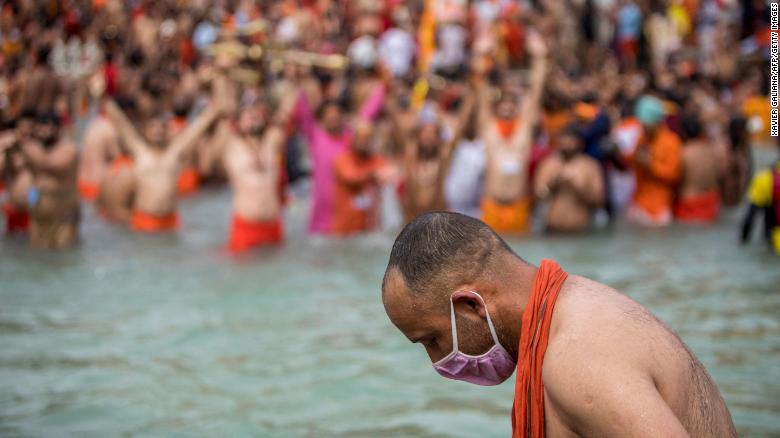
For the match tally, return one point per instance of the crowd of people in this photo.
(582, 111)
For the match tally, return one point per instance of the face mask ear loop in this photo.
(490, 323)
(454, 328)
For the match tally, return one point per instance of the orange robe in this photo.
(655, 185)
(356, 200)
(528, 408)
(16, 220)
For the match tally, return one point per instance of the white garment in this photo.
(463, 186)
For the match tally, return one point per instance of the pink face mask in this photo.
(487, 369)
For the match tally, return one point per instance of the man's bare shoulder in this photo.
(595, 319)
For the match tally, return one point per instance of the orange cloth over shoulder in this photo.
(150, 224)
(528, 408)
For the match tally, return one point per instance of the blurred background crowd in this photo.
(555, 116)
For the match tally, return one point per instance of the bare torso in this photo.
(55, 212)
(506, 176)
(605, 346)
(567, 210)
(700, 169)
(157, 175)
(101, 142)
(424, 189)
(253, 170)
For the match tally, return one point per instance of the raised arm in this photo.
(194, 131)
(276, 133)
(464, 118)
(125, 129)
(529, 113)
(373, 105)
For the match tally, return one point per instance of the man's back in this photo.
(606, 350)
(700, 168)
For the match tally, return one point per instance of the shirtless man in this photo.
(253, 160)
(426, 159)
(572, 182)
(157, 160)
(508, 140)
(18, 180)
(698, 196)
(101, 145)
(590, 361)
(53, 199)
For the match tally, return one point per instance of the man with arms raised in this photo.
(426, 157)
(253, 160)
(508, 137)
(590, 361)
(157, 160)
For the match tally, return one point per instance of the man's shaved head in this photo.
(438, 249)
(442, 257)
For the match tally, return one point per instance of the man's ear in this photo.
(468, 305)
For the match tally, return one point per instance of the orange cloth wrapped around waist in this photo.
(512, 218)
(699, 208)
(16, 220)
(189, 181)
(528, 407)
(88, 190)
(245, 235)
(150, 223)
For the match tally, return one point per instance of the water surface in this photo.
(169, 336)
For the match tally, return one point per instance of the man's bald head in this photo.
(437, 250)
(442, 257)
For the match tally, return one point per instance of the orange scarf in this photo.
(528, 408)
(506, 127)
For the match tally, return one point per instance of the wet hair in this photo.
(691, 127)
(438, 249)
(48, 117)
(27, 114)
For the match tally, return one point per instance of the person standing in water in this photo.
(101, 145)
(426, 158)
(573, 183)
(254, 162)
(698, 197)
(657, 163)
(586, 357)
(508, 137)
(17, 179)
(329, 136)
(157, 161)
(53, 198)
(359, 174)
(764, 196)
